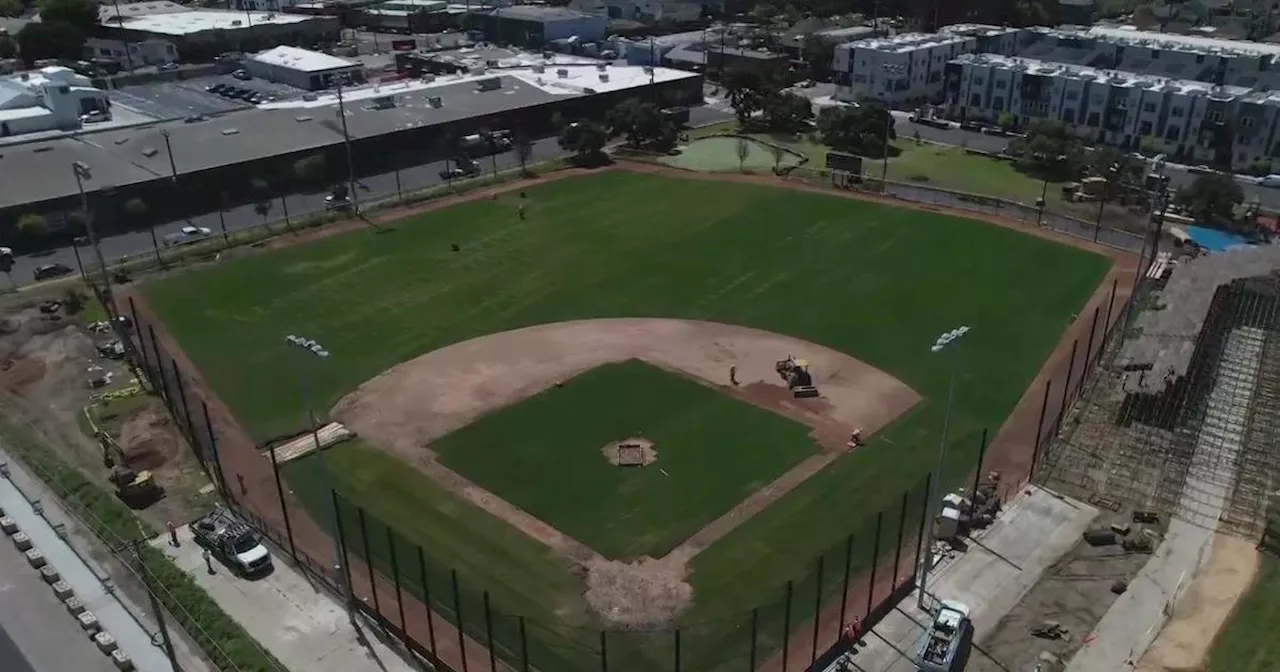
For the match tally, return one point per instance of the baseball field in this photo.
(541, 387)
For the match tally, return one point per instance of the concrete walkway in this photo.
(299, 623)
(1001, 564)
(129, 623)
(1133, 622)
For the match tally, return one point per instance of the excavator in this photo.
(137, 489)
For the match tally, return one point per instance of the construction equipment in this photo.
(795, 373)
(137, 489)
(942, 643)
(1050, 630)
(233, 542)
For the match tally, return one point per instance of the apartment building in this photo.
(1203, 59)
(907, 69)
(1193, 121)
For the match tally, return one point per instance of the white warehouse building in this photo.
(1192, 121)
(303, 68)
(907, 69)
(48, 99)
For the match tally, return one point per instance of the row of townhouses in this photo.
(1199, 99)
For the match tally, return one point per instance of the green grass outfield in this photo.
(728, 447)
(874, 281)
(1248, 642)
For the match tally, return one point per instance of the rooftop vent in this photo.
(150, 152)
(302, 118)
(539, 69)
(604, 76)
(562, 73)
(601, 67)
(230, 131)
(435, 102)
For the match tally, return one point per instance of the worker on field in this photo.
(855, 438)
(733, 376)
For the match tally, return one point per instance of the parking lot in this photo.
(171, 100)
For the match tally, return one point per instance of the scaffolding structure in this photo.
(1199, 439)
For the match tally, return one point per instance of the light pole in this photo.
(82, 172)
(946, 342)
(314, 349)
(1113, 172)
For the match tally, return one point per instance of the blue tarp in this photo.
(1214, 240)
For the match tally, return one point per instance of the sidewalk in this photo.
(74, 556)
(298, 622)
(1001, 564)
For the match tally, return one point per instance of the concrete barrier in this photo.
(88, 622)
(22, 541)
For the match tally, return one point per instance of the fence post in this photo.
(677, 645)
(368, 560)
(288, 528)
(844, 590)
(182, 396)
(457, 612)
(604, 651)
(1111, 302)
(1035, 450)
(1071, 365)
(488, 632)
(977, 474)
(755, 629)
(902, 524)
(1088, 350)
(875, 553)
(426, 600)
(217, 459)
(524, 647)
(924, 518)
(342, 544)
(395, 573)
(155, 350)
(786, 627)
(817, 608)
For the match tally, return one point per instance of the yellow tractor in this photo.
(795, 373)
(137, 489)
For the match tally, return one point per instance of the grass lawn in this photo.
(1248, 642)
(726, 446)
(721, 154)
(874, 281)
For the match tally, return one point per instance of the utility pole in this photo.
(346, 140)
(155, 607)
(82, 172)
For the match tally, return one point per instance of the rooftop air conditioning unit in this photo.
(562, 73)
(604, 76)
(435, 102)
(601, 67)
(539, 69)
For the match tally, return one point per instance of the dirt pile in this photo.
(639, 595)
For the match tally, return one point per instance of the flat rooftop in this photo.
(196, 21)
(42, 170)
(906, 42)
(1117, 78)
(304, 60)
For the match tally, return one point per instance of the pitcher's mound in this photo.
(633, 452)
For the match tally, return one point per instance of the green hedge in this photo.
(222, 639)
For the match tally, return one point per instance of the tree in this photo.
(310, 170)
(523, 146)
(1006, 121)
(32, 225)
(10, 8)
(82, 14)
(862, 130)
(744, 150)
(8, 48)
(1048, 151)
(1211, 198)
(642, 124)
(1149, 146)
(262, 202)
(818, 55)
(585, 139)
(787, 112)
(779, 154)
(748, 90)
(136, 208)
(49, 40)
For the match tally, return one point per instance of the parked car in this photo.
(233, 542)
(459, 170)
(242, 74)
(336, 202)
(94, 116)
(48, 271)
(1272, 180)
(187, 235)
